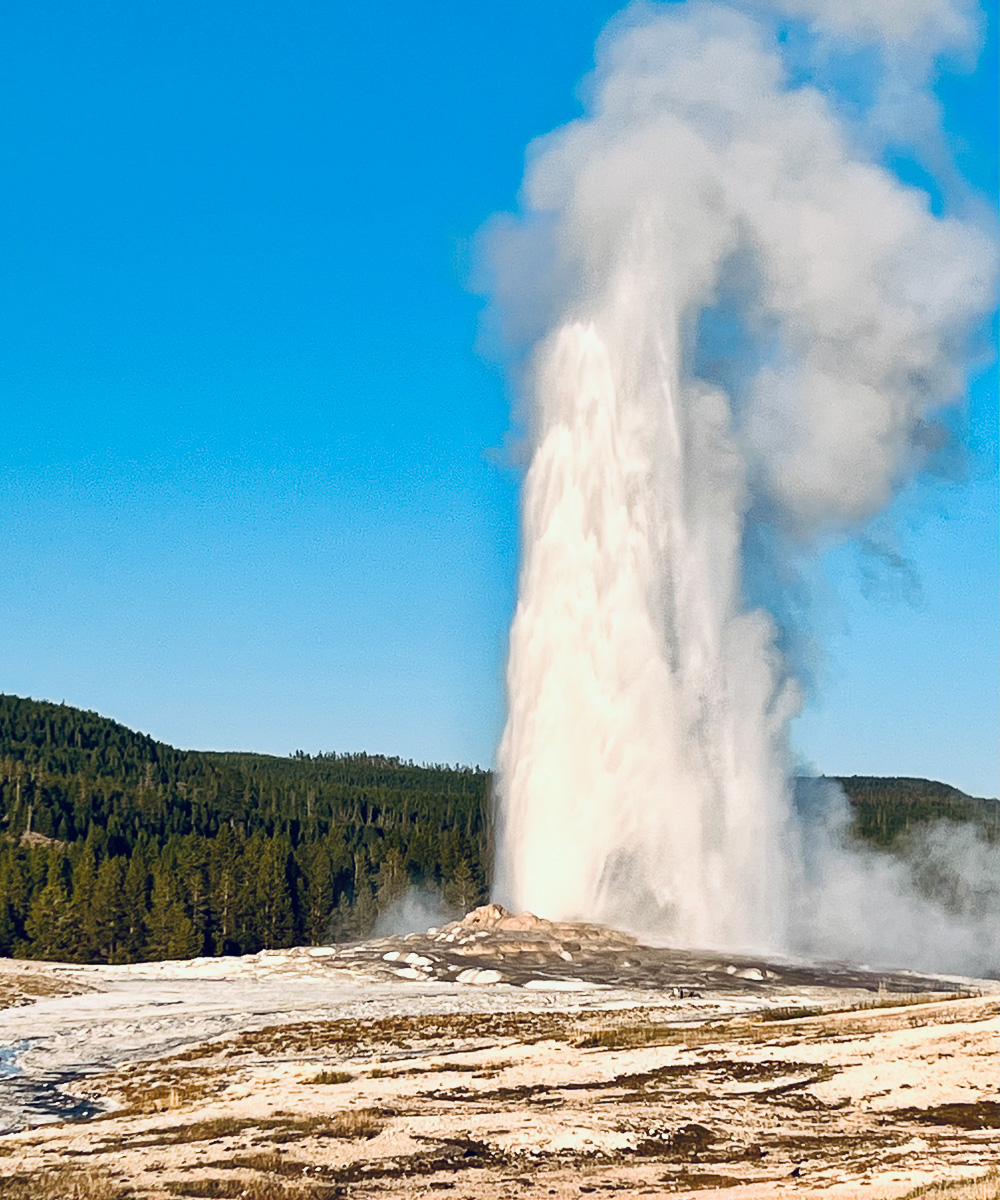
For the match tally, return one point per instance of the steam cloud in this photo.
(740, 331)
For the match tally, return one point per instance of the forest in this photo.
(117, 848)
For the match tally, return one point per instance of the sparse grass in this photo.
(260, 1187)
(173, 1089)
(983, 1187)
(19, 986)
(330, 1077)
(194, 1131)
(870, 1017)
(792, 1012)
(805, 1021)
(443, 1033)
(61, 1183)
(204, 1050)
(492, 1070)
(349, 1123)
(884, 999)
(270, 1162)
(486, 1070)
(352, 1123)
(627, 1037)
(250, 1165)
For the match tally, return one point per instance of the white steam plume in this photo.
(931, 904)
(741, 328)
(927, 27)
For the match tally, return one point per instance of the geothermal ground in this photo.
(497, 1057)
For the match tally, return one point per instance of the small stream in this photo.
(37, 1099)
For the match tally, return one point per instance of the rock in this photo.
(692, 1139)
(487, 916)
(563, 985)
(546, 937)
(479, 976)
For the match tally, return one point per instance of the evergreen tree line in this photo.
(884, 809)
(229, 894)
(118, 848)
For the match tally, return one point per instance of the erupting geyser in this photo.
(740, 329)
(644, 762)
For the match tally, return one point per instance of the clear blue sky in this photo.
(248, 499)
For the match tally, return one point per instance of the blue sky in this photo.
(248, 496)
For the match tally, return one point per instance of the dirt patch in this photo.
(697, 1181)
(255, 1188)
(984, 1114)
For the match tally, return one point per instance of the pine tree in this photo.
(135, 907)
(84, 880)
(14, 899)
(192, 871)
(50, 927)
(247, 917)
(341, 927)
(171, 932)
(109, 918)
(276, 917)
(224, 872)
(8, 929)
(363, 910)
(391, 881)
(462, 890)
(318, 905)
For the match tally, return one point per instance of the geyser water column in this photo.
(643, 771)
(643, 762)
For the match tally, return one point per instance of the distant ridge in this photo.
(885, 807)
(117, 847)
(69, 743)
(62, 737)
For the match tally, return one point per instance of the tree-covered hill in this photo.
(115, 847)
(885, 808)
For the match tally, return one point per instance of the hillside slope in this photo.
(115, 847)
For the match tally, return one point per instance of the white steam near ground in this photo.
(735, 334)
(416, 911)
(930, 904)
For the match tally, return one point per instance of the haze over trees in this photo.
(117, 848)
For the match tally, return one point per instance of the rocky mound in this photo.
(492, 930)
(491, 945)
